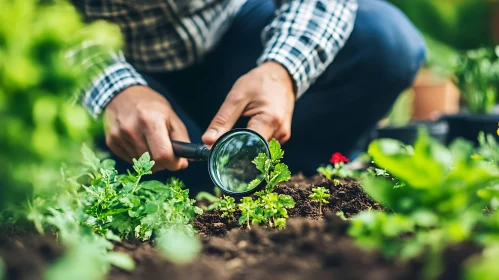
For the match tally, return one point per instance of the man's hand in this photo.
(140, 120)
(265, 94)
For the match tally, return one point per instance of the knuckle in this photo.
(276, 120)
(220, 120)
(127, 129)
(162, 157)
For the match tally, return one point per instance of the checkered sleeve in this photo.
(306, 35)
(114, 78)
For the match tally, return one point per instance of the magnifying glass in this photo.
(230, 160)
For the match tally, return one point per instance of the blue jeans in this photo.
(378, 62)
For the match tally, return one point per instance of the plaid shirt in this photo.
(167, 35)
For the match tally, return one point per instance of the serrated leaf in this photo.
(280, 173)
(259, 162)
(276, 153)
(143, 165)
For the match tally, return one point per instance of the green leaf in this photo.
(155, 186)
(382, 191)
(276, 153)
(281, 173)
(121, 260)
(260, 161)
(286, 201)
(143, 165)
(151, 208)
(177, 246)
(426, 168)
(89, 158)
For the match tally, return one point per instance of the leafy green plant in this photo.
(268, 207)
(131, 208)
(228, 206)
(441, 203)
(320, 195)
(273, 170)
(41, 66)
(488, 148)
(251, 212)
(477, 75)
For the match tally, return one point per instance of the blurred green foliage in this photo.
(461, 24)
(477, 76)
(45, 50)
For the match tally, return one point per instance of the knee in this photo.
(392, 47)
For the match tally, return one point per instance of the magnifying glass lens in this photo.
(232, 164)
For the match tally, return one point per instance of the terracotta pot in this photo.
(434, 96)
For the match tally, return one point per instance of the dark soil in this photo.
(26, 254)
(312, 246)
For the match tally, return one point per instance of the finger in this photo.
(159, 145)
(115, 143)
(262, 125)
(283, 134)
(224, 120)
(119, 151)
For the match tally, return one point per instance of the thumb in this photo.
(224, 120)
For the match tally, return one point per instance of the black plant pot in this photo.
(469, 126)
(409, 133)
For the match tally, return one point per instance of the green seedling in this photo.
(228, 206)
(321, 196)
(336, 182)
(269, 207)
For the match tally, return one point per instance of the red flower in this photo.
(338, 158)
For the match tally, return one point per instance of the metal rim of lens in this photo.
(210, 161)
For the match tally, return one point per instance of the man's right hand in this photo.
(140, 120)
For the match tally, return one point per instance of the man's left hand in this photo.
(265, 94)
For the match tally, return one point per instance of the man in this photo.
(314, 74)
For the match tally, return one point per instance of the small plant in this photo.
(228, 206)
(477, 75)
(268, 207)
(336, 167)
(320, 195)
(336, 182)
(250, 210)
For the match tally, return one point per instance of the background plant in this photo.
(442, 202)
(477, 75)
(42, 50)
(337, 167)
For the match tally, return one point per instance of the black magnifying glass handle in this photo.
(190, 150)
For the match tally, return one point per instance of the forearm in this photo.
(306, 35)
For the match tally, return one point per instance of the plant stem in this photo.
(320, 207)
(136, 184)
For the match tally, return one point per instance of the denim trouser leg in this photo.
(379, 61)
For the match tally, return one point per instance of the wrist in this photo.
(279, 73)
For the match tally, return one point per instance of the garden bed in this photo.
(311, 246)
